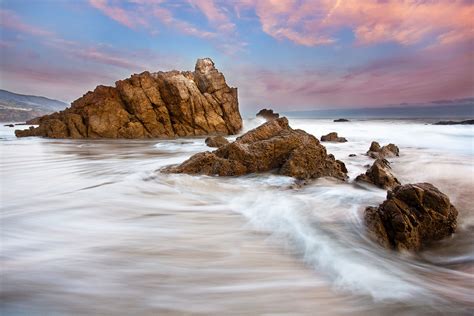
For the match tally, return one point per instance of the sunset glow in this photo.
(288, 54)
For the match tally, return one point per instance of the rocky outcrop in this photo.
(387, 151)
(466, 122)
(271, 146)
(412, 216)
(150, 105)
(332, 137)
(268, 114)
(380, 174)
(216, 141)
(341, 120)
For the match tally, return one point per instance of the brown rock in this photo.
(412, 216)
(332, 137)
(380, 174)
(268, 114)
(387, 151)
(216, 141)
(150, 105)
(271, 146)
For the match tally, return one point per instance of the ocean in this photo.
(93, 227)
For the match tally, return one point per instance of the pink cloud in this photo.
(10, 20)
(421, 77)
(114, 12)
(311, 23)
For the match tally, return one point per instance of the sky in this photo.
(283, 54)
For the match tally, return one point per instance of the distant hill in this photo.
(459, 108)
(16, 107)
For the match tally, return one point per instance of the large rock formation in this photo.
(271, 146)
(411, 217)
(380, 174)
(333, 137)
(149, 105)
(390, 150)
(268, 114)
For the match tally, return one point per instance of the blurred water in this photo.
(91, 227)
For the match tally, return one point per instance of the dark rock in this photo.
(380, 174)
(268, 114)
(216, 141)
(412, 216)
(9, 125)
(341, 120)
(150, 105)
(390, 150)
(352, 155)
(466, 122)
(271, 146)
(332, 137)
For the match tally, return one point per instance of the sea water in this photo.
(93, 227)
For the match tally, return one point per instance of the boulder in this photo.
(332, 137)
(412, 217)
(216, 141)
(150, 105)
(387, 151)
(268, 114)
(341, 120)
(272, 146)
(380, 174)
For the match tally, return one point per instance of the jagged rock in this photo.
(216, 141)
(380, 174)
(271, 146)
(412, 216)
(268, 114)
(390, 150)
(332, 137)
(150, 105)
(341, 120)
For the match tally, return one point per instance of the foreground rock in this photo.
(390, 150)
(412, 216)
(341, 120)
(333, 137)
(271, 146)
(268, 114)
(380, 174)
(150, 105)
(216, 141)
(466, 122)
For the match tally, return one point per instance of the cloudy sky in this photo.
(286, 54)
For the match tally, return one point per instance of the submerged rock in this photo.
(150, 105)
(268, 114)
(380, 174)
(341, 120)
(352, 155)
(412, 216)
(332, 137)
(390, 150)
(216, 141)
(271, 146)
